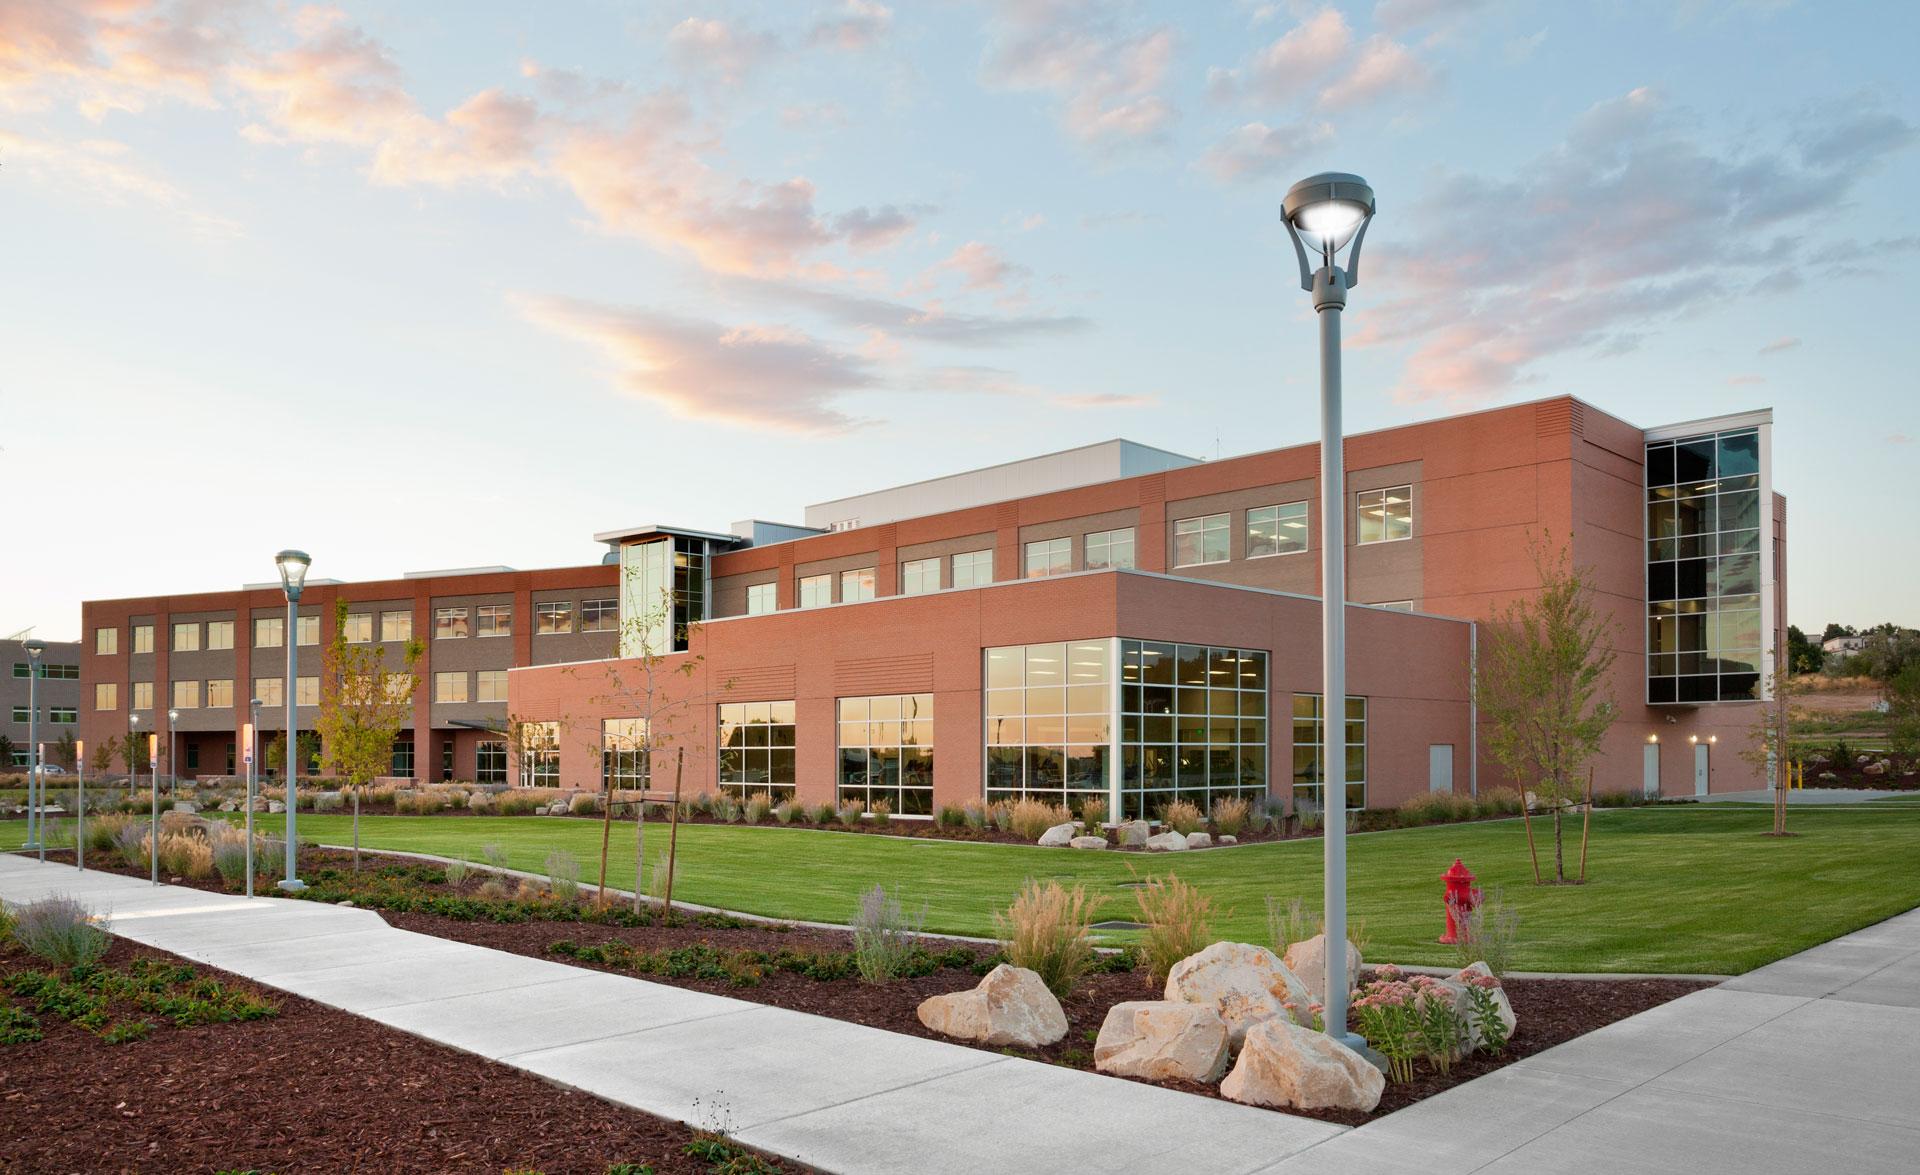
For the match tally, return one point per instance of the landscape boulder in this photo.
(1166, 842)
(1011, 1006)
(1057, 837)
(275, 806)
(1133, 833)
(1159, 1040)
(1877, 768)
(1244, 983)
(1199, 840)
(1459, 980)
(184, 806)
(1088, 842)
(1226, 840)
(1289, 1067)
(1829, 775)
(1307, 959)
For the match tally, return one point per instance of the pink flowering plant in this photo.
(1483, 1009)
(1409, 1018)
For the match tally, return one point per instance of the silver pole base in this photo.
(294, 886)
(1358, 1044)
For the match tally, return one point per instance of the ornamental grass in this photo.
(1045, 930)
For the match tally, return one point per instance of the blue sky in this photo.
(435, 285)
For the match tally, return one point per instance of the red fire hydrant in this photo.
(1461, 897)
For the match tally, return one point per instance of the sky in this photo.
(445, 284)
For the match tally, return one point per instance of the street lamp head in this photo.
(133, 720)
(293, 571)
(173, 715)
(34, 647)
(1324, 212)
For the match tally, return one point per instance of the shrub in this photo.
(329, 801)
(1289, 922)
(757, 809)
(884, 938)
(494, 855)
(61, 930)
(270, 856)
(1183, 817)
(133, 844)
(1029, 818)
(1230, 815)
(950, 816)
(586, 804)
(657, 884)
(725, 809)
(1308, 813)
(786, 810)
(1000, 815)
(493, 889)
(515, 804)
(481, 804)
(1179, 922)
(1500, 801)
(848, 814)
(1093, 810)
(185, 855)
(974, 812)
(175, 823)
(1488, 933)
(1045, 931)
(229, 846)
(825, 813)
(456, 872)
(563, 875)
(882, 813)
(104, 829)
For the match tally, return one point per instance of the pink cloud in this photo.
(1292, 63)
(854, 25)
(981, 267)
(1383, 69)
(714, 46)
(1783, 343)
(1107, 78)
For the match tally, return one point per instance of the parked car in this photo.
(52, 769)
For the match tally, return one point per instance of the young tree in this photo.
(66, 752)
(363, 705)
(1771, 749)
(7, 749)
(276, 753)
(1903, 710)
(101, 760)
(1541, 687)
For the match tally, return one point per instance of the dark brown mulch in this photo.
(312, 1089)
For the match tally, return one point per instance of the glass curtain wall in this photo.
(1309, 750)
(1050, 722)
(623, 743)
(539, 754)
(1704, 630)
(663, 582)
(886, 753)
(1193, 725)
(757, 749)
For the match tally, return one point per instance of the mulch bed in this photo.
(312, 1089)
(1550, 1011)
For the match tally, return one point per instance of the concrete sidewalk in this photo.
(838, 1096)
(1804, 1065)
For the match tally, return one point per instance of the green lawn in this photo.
(1670, 889)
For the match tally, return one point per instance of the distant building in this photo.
(59, 696)
(1846, 646)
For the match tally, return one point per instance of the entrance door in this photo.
(1700, 769)
(1440, 767)
(1650, 770)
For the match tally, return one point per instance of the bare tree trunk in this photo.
(356, 830)
(1526, 818)
(1559, 855)
(606, 842)
(640, 837)
(673, 835)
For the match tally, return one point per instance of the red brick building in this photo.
(1114, 620)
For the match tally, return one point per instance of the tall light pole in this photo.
(1324, 213)
(293, 576)
(173, 780)
(153, 779)
(253, 725)
(36, 819)
(80, 804)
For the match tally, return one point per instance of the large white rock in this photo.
(1161, 1040)
(1290, 1067)
(1199, 840)
(1057, 837)
(1011, 1006)
(1308, 960)
(1133, 833)
(1245, 984)
(1167, 842)
(1458, 981)
(1088, 842)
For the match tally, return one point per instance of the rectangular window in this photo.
(919, 576)
(449, 624)
(762, 598)
(1276, 530)
(358, 628)
(816, 591)
(106, 696)
(21, 669)
(400, 757)
(623, 758)
(757, 749)
(1705, 636)
(1396, 605)
(308, 630)
(1050, 722)
(396, 626)
(1197, 541)
(186, 695)
(219, 634)
(143, 638)
(269, 632)
(1193, 725)
(449, 687)
(1110, 548)
(186, 637)
(23, 714)
(494, 620)
(106, 641)
(972, 569)
(856, 585)
(1385, 515)
(270, 691)
(490, 685)
(220, 693)
(886, 753)
(60, 672)
(490, 761)
(1049, 557)
(63, 715)
(1309, 750)
(143, 695)
(599, 615)
(553, 618)
(539, 754)
(306, 691)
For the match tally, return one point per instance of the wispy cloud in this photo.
(1107, 77)
(852, 25)
(1783, 343)
(1256, 150)
(107, 171)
